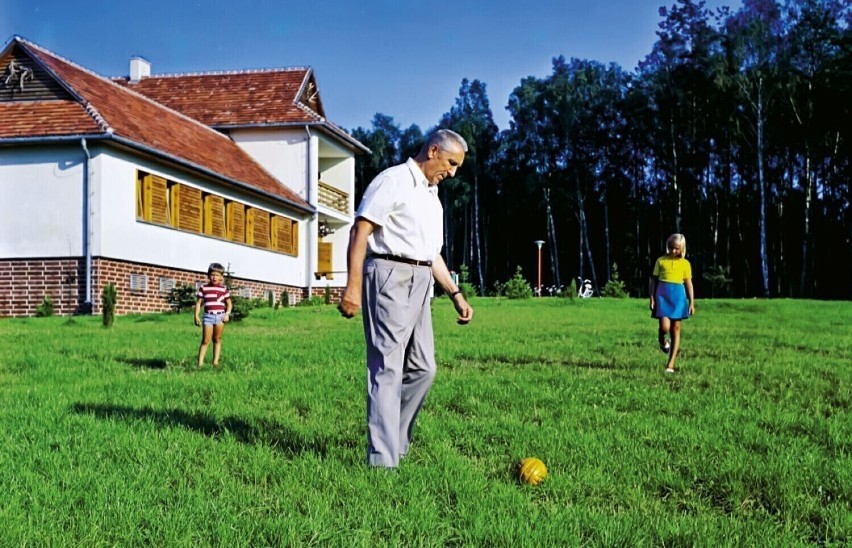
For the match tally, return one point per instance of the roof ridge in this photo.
(309, 110)
(222, 72)
(96, 116)
(122, 88)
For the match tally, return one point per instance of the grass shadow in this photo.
(145, 363)
(271, 434)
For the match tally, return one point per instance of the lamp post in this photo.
(539, 243)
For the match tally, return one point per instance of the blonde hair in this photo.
(676, 239)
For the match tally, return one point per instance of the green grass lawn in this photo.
(112, 437)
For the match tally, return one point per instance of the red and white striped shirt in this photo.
(214, 298)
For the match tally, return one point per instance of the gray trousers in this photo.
(400, 354)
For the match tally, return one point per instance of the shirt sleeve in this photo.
(200, 294)
(656, 271)
(687, 270)
(378, 201)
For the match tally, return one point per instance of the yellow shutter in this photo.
(324, 260)
(236, 222)
(282, 234)
(140, 205)
(214, 216)
(294, 248)
(186, 208)
(257, 228)
(156, 199)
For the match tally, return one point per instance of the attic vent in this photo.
(244, 292)
(166, 284)
(139, 283)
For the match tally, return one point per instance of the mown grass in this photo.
(111, 437)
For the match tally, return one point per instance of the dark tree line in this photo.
(734, 130)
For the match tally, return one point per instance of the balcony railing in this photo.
(333, 198)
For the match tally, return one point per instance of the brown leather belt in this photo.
(405, 260)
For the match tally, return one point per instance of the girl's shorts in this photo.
(213, 319)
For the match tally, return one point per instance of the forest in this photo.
(733, 130)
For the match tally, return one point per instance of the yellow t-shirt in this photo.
(672, 270)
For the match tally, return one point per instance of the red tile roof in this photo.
(134, 119)
(233, 99)
(45, 119)
(274, 97)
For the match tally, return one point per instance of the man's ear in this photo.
(432, 152)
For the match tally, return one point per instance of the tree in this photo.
(471, 118)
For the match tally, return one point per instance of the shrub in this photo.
(720, 280)
(313, 300)
(181, 297)
(571, 292)
(327, 295)
(45, 309)
(285, 299)
(240, 308)
(467, 289)
(109, 297)
(270, 299)
(518, 287)
(614, 287)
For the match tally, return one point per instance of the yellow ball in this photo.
(532, 471)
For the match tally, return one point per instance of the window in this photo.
(214, 216)
(324, 261)
(152, 199)
(190, 209)
(236, 217)
(257, 228)
(186, 208)
(285, 235)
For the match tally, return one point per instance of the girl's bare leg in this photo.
(665, 326)
(675, 328)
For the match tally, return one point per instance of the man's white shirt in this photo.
(401, 202)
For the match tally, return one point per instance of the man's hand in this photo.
(464, 309)
(349, 305)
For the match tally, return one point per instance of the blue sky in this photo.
(403, 58)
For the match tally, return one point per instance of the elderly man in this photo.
(394, 258)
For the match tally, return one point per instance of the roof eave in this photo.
(307, 208)
(351, 142)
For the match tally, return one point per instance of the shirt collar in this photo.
(419, 178)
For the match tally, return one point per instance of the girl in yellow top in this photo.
(672, 295)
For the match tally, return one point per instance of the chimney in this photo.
(139, 68)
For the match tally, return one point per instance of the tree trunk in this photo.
(477, 243)
(764, 262)
(551, 237)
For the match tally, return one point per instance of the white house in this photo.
(142, 181)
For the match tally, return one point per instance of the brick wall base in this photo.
(24, 283)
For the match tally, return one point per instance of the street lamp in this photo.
(539, 243)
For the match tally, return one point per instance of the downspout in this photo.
(87, 243)
(309, 237)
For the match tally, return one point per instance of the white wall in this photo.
(282, 152)
(41, 201)
(121, 236)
